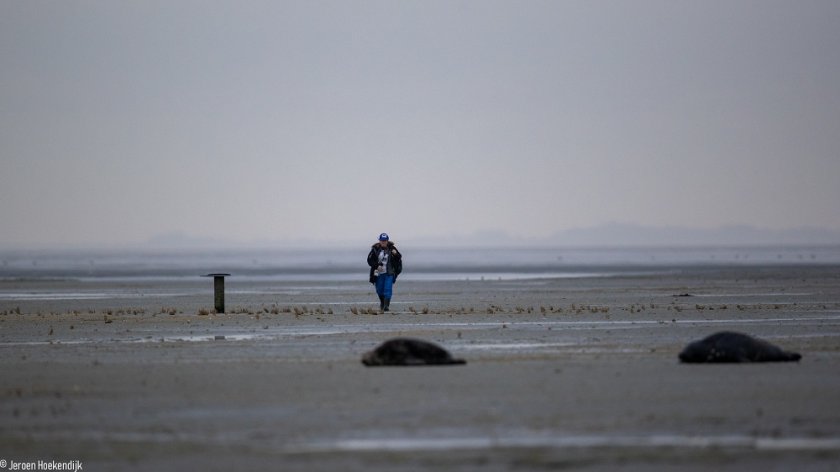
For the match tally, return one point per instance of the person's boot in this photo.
(381, 302)
(387, 304)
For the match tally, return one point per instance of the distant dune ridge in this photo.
(630, 234)
(608, 234)
(604, 235)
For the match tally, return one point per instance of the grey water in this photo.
(420, 263)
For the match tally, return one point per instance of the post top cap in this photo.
(216, 275)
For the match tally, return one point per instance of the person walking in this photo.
(385, 263)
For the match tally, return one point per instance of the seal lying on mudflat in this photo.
(728, 346)
(409, 352)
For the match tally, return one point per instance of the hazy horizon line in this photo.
(612, 234)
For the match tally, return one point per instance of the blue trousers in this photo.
(385, 285)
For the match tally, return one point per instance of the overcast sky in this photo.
(246, 120)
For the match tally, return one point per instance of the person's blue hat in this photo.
(383, 237)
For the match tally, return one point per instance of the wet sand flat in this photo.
(569, 374)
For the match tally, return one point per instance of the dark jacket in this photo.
(394, 261)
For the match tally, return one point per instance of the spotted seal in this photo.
(408, 352)
(727, 346)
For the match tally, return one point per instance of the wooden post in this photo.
(218, 291)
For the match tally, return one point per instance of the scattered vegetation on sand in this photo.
(492, 310)
(364, 311)
(274, 309)
(579, 309)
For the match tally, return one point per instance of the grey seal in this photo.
(728, 346)
(408, 352)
